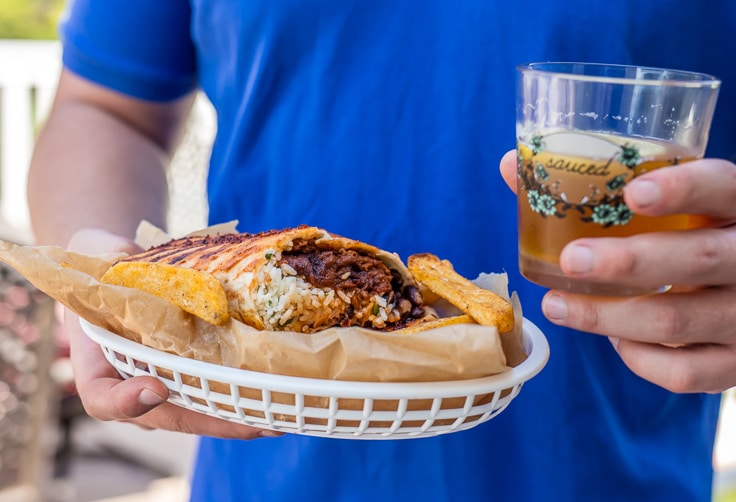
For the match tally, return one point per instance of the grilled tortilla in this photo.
(301, 279)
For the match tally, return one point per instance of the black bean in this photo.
(396, 280)
(404, 306)
(413, 294)
(417, 312)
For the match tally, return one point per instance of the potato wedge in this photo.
(196, 292)
(435, 323)
(439, 276)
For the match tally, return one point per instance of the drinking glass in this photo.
(584, 130)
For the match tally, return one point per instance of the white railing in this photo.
(28, 74)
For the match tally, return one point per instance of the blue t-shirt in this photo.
(385, 121)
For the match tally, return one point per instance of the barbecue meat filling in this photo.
(360, 277)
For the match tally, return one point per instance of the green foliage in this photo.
(30, 19)
(725, 496)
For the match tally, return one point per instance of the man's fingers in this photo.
(181, 420)
(115, 399)
(508, 169)
(690, 368)
(683, 342)
(141, 400)
(104, 394)
(706, 187)
(670, 318)
(694, 257)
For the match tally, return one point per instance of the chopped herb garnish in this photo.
(375, 309)
(269, 255)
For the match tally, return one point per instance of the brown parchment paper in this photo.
(354, 354)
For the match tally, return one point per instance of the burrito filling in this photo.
(308, 288)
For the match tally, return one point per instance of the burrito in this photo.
(301, 279)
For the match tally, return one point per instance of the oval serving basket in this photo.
(327, 408)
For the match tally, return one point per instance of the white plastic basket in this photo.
(328, 408)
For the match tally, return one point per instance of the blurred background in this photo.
(50, 450)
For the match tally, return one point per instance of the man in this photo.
(384, 121)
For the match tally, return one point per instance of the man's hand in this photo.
(683, 340)
(140, 400)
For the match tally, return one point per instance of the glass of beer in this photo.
(584, 131)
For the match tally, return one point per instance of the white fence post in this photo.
(28, 74)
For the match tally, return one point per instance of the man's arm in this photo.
(100, 161)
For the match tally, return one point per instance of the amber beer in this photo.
(570, 185)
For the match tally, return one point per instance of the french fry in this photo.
(434, 323)
(484, 306)
(196, 292)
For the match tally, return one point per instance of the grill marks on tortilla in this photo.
(200, 252)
